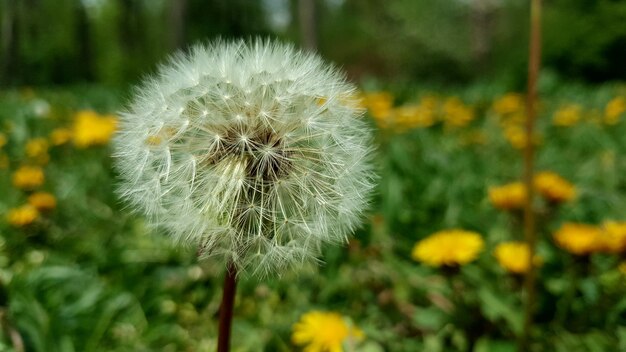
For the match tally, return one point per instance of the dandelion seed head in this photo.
(229, 149)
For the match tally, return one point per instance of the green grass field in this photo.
(89, 275)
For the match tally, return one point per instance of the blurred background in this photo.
(114, 42)
(443, 85)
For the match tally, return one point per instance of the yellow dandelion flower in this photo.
(430, 102)
(28, 177)
(37, 150)
(553, 187)
(379, 104)
(576, 238)
(613, 237)
(91, 129)
(508, 197)
(517, 119)
(321, 331)
(516, 136)
(508, 104)
(22, 216)
(613, 110)
(514, 257)
(60, 136)
(457, 114)
(43, 201)
(412, 116)
(448, 247)
(36, 147)
(568, 115)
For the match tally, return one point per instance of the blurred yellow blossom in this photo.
(379, 105)
(613, 110)
(37, 150)
(412, 116)
(60, 136)
(320, 331)
(516, 136)
(448, 247)
(576, 238)
(28, 177)
(508, 197)
(456, 114)
(567, 115)
(514, 256)
(553, 187)
(3, 140)
(91, 129)
(508, 104)
(42, 201)
(22, 216)
(613, 237)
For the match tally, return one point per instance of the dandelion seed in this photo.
(248, 165)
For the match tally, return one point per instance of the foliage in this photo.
(115, 41)
(90, 276)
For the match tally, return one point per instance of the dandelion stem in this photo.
(529, 156)
(226, 308)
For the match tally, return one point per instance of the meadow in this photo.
(80, 272)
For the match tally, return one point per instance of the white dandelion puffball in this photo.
(253, 151)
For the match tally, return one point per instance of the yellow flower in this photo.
(324, 332)
(448, 247)
(516, 136)
(567, 115)
(613, 237)
(37, 150)
(60, 136)
(412, 116)
(22, 216)
(613, 110)
(508, 104)
(379, 105)
(553, 187)
(28, 177)
(514, 257)
(36, 147)
(457, 114)
(91, 129)
(580, 239)
(508, 197)
(42, 201)
(3, 140)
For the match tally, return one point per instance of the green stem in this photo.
(529, 160)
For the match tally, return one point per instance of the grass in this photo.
(90, 276)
